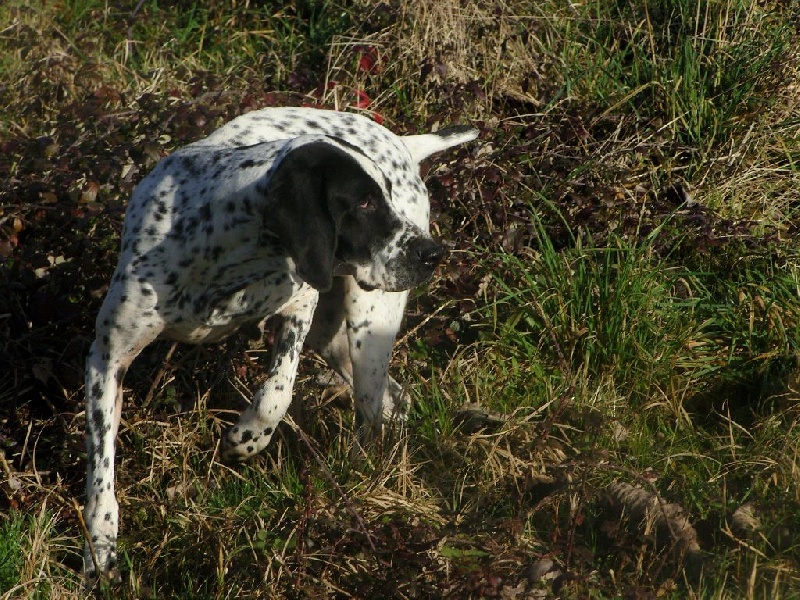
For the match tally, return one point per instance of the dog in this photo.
(317, 217)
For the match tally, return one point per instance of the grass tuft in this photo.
(700, 69)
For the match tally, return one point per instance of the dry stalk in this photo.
(649, 511)
(332, 480)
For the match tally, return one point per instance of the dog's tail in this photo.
(423, 146)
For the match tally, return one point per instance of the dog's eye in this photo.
(366, 202)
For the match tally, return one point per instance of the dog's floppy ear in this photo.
(298, 211)
(422, 146)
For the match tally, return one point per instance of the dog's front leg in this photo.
(373, 320)
(254, 429)
(329, 338)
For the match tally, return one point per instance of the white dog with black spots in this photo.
(318, 217)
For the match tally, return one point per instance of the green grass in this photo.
(598, 312)
(592, 332)
(32, 547)
(700, 69)
(655, 368)
(155, 47)
(11, 532)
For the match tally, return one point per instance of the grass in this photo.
(650, 369)
(31, 551)
(606, 311)
(604, 373)
(10, 549)
(697, 68)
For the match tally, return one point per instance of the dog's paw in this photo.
(241, 442)
(109, 573)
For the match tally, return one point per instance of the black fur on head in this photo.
(323, 206)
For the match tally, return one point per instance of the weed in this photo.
(598, 312)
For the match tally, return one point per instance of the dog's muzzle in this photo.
(410, 267)
(416, 264)
(427, 252)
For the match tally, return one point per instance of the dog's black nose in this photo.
(428, 252)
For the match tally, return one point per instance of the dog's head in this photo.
(332, 208)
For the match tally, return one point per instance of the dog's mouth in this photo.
(342, 268)
(366, 287)
(405, 282)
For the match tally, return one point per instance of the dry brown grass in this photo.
(489, 51)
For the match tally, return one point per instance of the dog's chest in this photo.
(208, 297)
(219, 312)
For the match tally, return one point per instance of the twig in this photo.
(329, 476)
(86, 536)
(159, 376)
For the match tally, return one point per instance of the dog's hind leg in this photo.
(119, 339)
